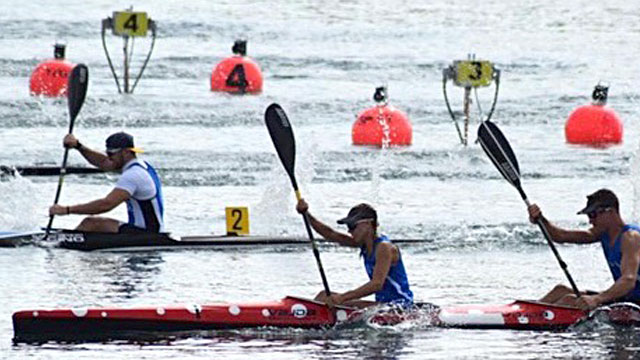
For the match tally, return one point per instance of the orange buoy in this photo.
(382, 125)
(594, 124)
(50, 77)
(237, 74)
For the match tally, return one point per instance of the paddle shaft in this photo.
(499, 151)
(77, 90)
(316, 253)
(63, 171)
(547, 237)
(283, 140)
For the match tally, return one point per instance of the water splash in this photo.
(382, 157)
(18, 210)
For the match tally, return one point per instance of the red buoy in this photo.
(382, 124)
(237, 74)
(50, 77)
(594, 124)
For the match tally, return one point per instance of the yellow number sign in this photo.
(472, 73)
(237, 220)
(130, 23)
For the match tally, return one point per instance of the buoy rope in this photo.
(495, 100)
(446, 100)
(106, 51)
(146, 61)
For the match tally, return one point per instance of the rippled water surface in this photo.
(321, 62)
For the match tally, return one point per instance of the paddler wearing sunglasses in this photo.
(621, 245)
(139, 186)
(382, 259)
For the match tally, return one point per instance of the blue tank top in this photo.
(396, 285)
(152, 209)
(614, 257)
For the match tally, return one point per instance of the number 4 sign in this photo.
(130, 23)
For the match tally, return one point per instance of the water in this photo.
(321, 62)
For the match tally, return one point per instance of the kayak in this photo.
(85, 241)
(92, 241)
(88, 241)
(99, 324)
(15, 239)
(130, 323)
(46, 170)
(519, 315)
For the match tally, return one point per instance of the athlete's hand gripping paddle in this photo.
(282, 136)
(499, 151)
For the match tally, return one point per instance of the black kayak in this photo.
(88, 241)
(92, 241)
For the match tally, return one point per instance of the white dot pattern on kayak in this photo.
(103, 314)
(265, 313)
(160, 311)
(35, 314)
(341, 315)
(194, 309)
(234, 310)
(80, 312)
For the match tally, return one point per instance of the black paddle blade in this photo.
(282, 136)
(499, 151)
(78, 83)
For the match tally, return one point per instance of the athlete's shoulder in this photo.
(631, 238)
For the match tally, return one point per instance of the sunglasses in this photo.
(593, 214)
(113, 152)
(352, 226)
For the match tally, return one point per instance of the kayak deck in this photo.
(15, 239)
(86, 241)
(91, 241)
(519, 315)
(99, 324)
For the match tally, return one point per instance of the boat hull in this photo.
(99, 324)
(118, 323)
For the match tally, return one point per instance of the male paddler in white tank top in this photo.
(139, 186)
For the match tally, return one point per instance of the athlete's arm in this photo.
(384, 258)
(95, 158)
(559, 234)
(630, 249)
(113, 199)
(323, 229)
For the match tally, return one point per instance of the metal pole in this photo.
(467, 105)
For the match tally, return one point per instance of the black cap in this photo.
(120, 141)
(360, 212)
(603, 198)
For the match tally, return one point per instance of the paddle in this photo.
(499, 151)
(284, 142)
(77, 90)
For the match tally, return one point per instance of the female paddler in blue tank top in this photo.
(382, 259)
(621, 245)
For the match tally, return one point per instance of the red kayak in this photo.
(121, 323)
(83, 324)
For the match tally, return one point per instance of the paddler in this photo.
(382, 259)
(621, 245)
(138, 186)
